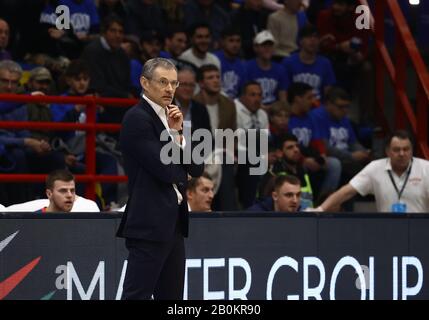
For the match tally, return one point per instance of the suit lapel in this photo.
(159, 126)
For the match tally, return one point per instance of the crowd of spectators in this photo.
(287, 66)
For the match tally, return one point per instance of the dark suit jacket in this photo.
(152, 210)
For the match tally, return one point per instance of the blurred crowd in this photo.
(294, 67)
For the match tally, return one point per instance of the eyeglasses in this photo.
(164, 83)
(10, 82)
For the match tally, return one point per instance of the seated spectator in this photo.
(200, 193)
(84, 27)
(4, 40)
(27, 153)
(250, 19)
(198, 54)
(270, 75)
(222, 115)
(279, 113)
(308, 66)
(232, 67)
(289, 162)
(148, 47)
(206, 11)
(250, 115)
(40, 82)
(285, 24)
(324, 169)
(175, 43)
(286, 196)
(109, 66)
(344, 44)
(61, 192)
(80, 205)
(338, 133)
(72, 143)
(151, 44)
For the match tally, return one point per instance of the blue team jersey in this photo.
(339, 134)
(271, 80)
(233, 74)
(318, 75)
(305, 128)
(83, 15)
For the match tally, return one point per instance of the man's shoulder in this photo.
(422, 163)
(139, 109)
(225, 101)
(186, 54)
(377, 165)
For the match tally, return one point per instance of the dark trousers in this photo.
(155, 268)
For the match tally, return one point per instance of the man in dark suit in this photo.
(155, 221)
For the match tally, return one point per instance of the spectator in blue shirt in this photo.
(324, 169)
(232, 67)
(338, 133)
(308, 66)
(84, 26)
(270, 75)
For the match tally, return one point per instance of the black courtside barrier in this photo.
(229, 256)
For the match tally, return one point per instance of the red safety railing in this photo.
(405, 51)
(91, 128)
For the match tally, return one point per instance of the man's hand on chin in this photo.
(174, 117)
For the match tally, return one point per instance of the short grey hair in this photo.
(150, 66)
(11, 66)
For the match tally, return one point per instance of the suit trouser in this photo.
(155, 268)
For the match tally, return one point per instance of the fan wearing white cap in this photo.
(270, 75)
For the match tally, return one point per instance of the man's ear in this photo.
(189, 195)
(143, 82)
(49, 193)
(274, 195)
